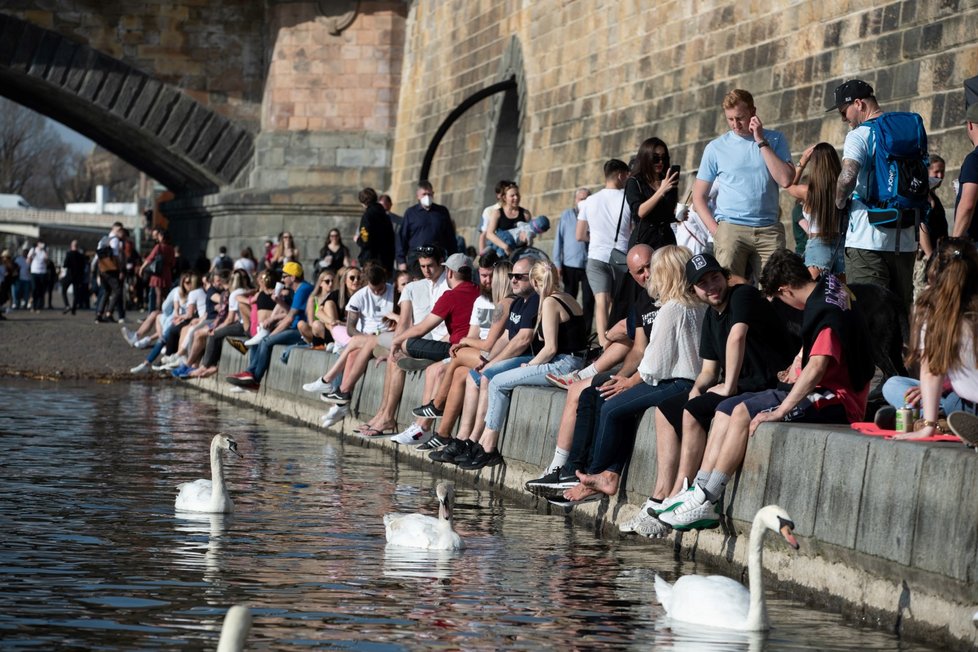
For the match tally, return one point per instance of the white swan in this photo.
(234, 632)
(426, 532)
(209, 495)
(719, 601)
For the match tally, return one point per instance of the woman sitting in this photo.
(334, 255)
(502, 229)
(233, 325)
(313, 329)
(332, 312)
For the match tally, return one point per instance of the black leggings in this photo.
(212, 352)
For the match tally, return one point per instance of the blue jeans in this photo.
(618, 421)
(499, 368)
(896, 387)
(261, 355)
(502, 384)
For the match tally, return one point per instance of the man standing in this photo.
(110, 276)
(286, 332)
(75, 265)
(604, 222)
(376, 235)
(425, 223)
(748, 163)
(38, 258)
(385, 201)
(967, 195)
(570, 256)
(22, 286)
(873, 255)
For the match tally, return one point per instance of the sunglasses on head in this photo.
(427, 251)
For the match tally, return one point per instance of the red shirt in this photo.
(455, 307)
(836, 376)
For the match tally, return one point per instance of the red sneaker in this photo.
(243, 379)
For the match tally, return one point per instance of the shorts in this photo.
(385, 339)
(821, 406)
(702, 408)
(826, 255)
(601, 276)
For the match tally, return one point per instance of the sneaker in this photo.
(141, 368)
(563, 381)
(414, 364)
(965, 426)
(428, 410)
(455, 448)
(481, 459)
(337, 397)
(696, 513)
(129, 336)
(122, 320)
(242, 379)
(553, 482)
(672, 502)
(259, 336)
(412, 435)
(182, 371)
(434, 443)
(319, 385)
(145, 342)
(237, 345)
(560, 501)
(646, 526)
(175, 363)
(334, 415)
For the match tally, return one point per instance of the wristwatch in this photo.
(761, 144)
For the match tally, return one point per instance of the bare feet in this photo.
(605, 482)
(580, 492)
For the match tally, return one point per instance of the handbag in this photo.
(619, 258)
(155, 268)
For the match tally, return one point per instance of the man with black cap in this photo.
(872, 254)
(744, 345)
(967, 193)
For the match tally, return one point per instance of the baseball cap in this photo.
(540, 224)
(456, 262)
(699, 266)
(292, 269)
(971, 113)
(846, 92)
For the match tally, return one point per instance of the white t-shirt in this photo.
(601, 211)
(482, 312)
(862, 234)
(233, 299)
(39, 261)
(246, 264)
(964, 377)
(423, 294)
(487, 213)
(199, 297)
(371, 308)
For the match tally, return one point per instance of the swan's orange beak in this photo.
(789, 537)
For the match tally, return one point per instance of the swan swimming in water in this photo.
(209, 495)
(718, 601)
(426, 532)
(234, 632)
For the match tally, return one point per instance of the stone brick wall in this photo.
(602, 76)
(213, 50)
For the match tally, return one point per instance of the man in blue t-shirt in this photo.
(967, 194)
(286, 332)
(748, 163)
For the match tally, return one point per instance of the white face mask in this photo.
(934, 182)
(426, 201)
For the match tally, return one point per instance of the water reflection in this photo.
(94, 555)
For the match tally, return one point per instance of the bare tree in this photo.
(27, 143)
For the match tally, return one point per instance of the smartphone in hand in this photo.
(673, 169)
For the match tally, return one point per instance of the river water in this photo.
(93, 555)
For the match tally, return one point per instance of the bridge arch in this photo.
(150, 124)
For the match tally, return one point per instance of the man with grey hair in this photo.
(570, 256)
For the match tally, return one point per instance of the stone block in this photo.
(746, 491)
(176, 118)
(840, 490)
(794, 473)
(888, 509)
(642, 466)
(948, 512)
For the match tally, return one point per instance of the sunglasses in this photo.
(657, 158)
(353, 278)
(427, 251)
(519, 277)
(327, 281)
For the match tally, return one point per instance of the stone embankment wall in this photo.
(889, 530)
(597, 78)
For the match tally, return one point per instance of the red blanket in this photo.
(871, 429)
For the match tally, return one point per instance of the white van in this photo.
(13, 201)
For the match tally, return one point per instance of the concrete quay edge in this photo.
(870, 547)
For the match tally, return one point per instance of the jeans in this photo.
(261, 355)
(896, 387)
(212, 350)
(111, 295)
(499, 368)
(618, 420)
(39, 282)
(502, 384)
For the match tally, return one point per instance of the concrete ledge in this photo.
(889, 530)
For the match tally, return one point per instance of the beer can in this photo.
(904, 419)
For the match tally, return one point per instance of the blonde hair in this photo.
(544, 274)
(667, 280)
(318, 290)
(500, 281)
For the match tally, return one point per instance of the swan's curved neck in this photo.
(218, 488)
(757, 613)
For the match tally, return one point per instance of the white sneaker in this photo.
(260, 334)
(672, 502)
(145, 342)
(319, 386)
(645, 525)
(412, 435)
(129, 336)
(696, 513)
(175, 362)
(142, 367)
(648, 507)
(334, 416)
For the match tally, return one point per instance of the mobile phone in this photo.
(673, 169)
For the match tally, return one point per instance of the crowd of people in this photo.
(709, 320)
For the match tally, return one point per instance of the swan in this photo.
(209, 495)
(719, 601)
(234, 632)
(426, 532)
